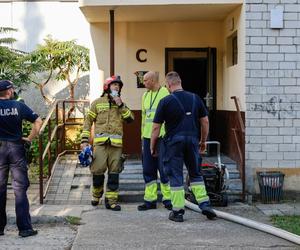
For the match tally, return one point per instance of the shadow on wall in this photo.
(33, 98)
(33, 26)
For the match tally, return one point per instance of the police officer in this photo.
(182, 111)
(12, 156)
(107, 113)
(152, 164)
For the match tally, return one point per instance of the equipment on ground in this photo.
(86, 156)
(216, 178)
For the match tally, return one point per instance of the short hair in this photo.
(173, 78)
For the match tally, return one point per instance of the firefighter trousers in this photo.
(106, 158)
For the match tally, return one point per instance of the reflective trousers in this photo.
(181, 150)
(106, 157)
(12, 157)
(150, 167)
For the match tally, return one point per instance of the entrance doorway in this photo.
(197, 70)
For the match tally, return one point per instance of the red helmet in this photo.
(110, 80)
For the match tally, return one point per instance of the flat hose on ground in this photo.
(250, 223)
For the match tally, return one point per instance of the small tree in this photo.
(63, 60)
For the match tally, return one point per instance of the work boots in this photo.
(114, 206)
(207, 210)
(95, 201)
(146, 206)
(176, 216)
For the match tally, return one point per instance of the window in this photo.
(232, 50)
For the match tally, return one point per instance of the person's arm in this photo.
(204, 123)
(36, 126)
(88, 122)
(154, 137)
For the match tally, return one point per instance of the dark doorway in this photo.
(197, 69)
(193, 73)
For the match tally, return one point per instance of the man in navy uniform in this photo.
(184, 115)
(12, 156)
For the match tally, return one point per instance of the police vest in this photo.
(150, 102)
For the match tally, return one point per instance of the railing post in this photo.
(56, 122)
(41, 163)
(49, 150)
(64, 128)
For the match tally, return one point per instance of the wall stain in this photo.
(275, 107)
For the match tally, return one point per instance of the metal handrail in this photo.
(239, 141)
(53, 134)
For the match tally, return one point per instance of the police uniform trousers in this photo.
(12, 157)
(106, 157)
(152, 165)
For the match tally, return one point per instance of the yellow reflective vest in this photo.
(150, 102)
(108, 119)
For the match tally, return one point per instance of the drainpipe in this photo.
(250, 223)
(112, 41)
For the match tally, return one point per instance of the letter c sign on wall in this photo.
(138, 55)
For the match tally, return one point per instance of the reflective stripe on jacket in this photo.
(108, 119)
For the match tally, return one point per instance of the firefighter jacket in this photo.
(108, 119)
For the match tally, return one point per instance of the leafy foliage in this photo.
(12, 62)
(62, 60)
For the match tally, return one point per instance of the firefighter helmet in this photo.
(111, 80)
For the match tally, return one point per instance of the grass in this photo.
(290, 223)
(73, 220)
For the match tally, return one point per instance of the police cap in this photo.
(5, 84)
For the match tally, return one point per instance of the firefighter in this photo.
(152, 164)
(182, 112)
(107, 113)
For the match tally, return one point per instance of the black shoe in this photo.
(95, 201)
(176, 216)
(113, 206)
(146, 206)
(168, 204)
(1, 233)
(27, 233)
(207, 210)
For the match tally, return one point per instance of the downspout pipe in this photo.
(250, 223)
(112, 41)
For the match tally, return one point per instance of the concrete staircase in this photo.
(70, 183)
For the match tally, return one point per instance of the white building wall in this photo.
(273, 89)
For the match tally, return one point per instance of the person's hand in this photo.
(202, 147)
(26, 139)
(154, 152)
(118, 100)
(83, 145)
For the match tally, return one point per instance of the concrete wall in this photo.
(272, 88)
(154, 37)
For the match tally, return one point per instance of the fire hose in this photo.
(250, 223)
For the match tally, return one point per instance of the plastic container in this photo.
(271, 186)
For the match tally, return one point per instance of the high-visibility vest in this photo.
(108, 119)
(150, 102)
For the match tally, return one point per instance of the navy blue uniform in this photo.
(12, 157)
(181, 112)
